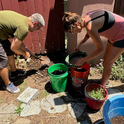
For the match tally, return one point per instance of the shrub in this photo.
(117, 70)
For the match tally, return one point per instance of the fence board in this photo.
(42, 34)
(23, 8)
(6, 5)
(15, 5)
(1, 5)
(53, 26)
(28, 39)
(46, 11)
(35, 39)
(61, 33)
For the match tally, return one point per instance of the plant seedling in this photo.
(19, 109)
(22, 86)
(1, 100)
(97, 93)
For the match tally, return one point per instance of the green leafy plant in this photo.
(100, 65)
(19, 109)
(22, 86)
(117, 70)
(97, 93)
(1, 100)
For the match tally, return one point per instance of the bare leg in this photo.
(108, 47)
(111, 54)
(11, 62)
(14, 71)
(4, 75)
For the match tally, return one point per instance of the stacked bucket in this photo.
(79, 74)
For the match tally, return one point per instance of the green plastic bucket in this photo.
(58, 81)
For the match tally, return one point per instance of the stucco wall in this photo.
(81, 7)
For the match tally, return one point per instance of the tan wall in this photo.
(81, 7)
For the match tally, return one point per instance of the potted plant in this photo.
(95, 95)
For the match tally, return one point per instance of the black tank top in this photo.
(108, 23)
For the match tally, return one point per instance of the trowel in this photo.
(43, 59)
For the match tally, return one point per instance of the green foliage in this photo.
(117, 70)
(100, 65)
(97, 93)
(22, 86)
(44, 94)
(1, 100)
(19, 109)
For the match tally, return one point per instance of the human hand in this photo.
(27, 55)
(33, 55)
(80, 62)
(77, 48)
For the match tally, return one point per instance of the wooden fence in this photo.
(52, 38)
(119, 7)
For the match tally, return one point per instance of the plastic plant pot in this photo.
(92, 102)
(58, 81)
(73, 57)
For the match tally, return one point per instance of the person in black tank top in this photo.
(74, 23)
(108, 23)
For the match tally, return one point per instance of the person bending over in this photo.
(98, 23)
(16, 26)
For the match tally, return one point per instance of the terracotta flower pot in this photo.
(92, 102)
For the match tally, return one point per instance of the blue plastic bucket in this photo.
(113, 107)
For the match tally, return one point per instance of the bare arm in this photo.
(86, 37)
(98, 43)
(23, 47)
(93, 33)
(16, 47)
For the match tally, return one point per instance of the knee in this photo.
(107, 65)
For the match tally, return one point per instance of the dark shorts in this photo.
(119, 43)
(4, 52)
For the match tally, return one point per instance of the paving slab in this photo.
(7, 115)
(27, 95)
(22, 121)
(76, 109)
(30, 109)
(53, 103)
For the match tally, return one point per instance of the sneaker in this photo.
(17, 73)
(12, 88)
